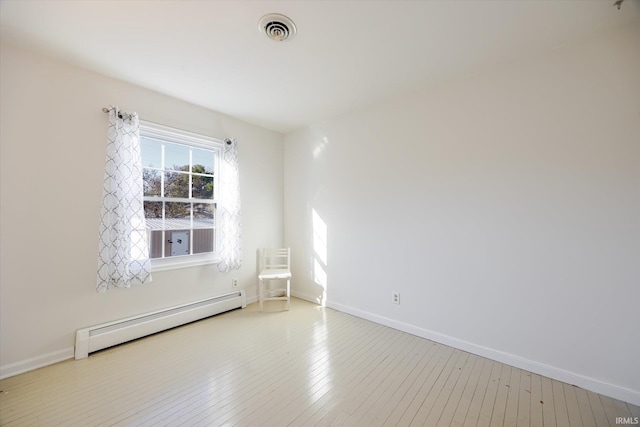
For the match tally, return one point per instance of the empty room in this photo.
(359, 213)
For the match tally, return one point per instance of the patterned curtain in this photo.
(229, 209)
(123, 250)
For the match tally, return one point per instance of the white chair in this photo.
(275, 266)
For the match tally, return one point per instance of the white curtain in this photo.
(123, 250)
(229, 209)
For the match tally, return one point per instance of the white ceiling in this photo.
(347, 54)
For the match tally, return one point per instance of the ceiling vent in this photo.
(277, 27)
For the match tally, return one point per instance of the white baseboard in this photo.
(611, 390)
(26, 365)
(597, 386)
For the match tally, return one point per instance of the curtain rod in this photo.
(121, 114)
(106, 110)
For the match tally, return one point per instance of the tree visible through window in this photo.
(179, 176)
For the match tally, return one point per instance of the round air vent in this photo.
(277, 27)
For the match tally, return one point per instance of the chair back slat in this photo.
(279, 258)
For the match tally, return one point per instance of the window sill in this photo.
(183, 262)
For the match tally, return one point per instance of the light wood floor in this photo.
(308, 366)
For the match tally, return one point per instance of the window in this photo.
(180, 196)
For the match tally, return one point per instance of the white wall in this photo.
(53, 141)
(505, 208)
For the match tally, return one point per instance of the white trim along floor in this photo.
(308, 366)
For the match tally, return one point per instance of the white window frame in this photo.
(178, 136)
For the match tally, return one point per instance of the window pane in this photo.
(202, 187)
(203, 240)
(177, 170)
(202, 161)
(177, 243)
(203, 215)
(176, 157)
(153, 215)
(177, 216)
(176, 184)
(151, 182)
(155, 244)
(153, 210)
(151, 153)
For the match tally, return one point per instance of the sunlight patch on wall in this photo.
(319, 275)
(319, 237)
(322, 145)
(320, 261)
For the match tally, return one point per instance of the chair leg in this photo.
(260, 294)
(288, 293)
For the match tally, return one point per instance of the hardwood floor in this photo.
(308, 366)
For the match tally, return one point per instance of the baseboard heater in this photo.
(109, 334)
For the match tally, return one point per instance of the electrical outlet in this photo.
(234, 283)
(395, 297)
